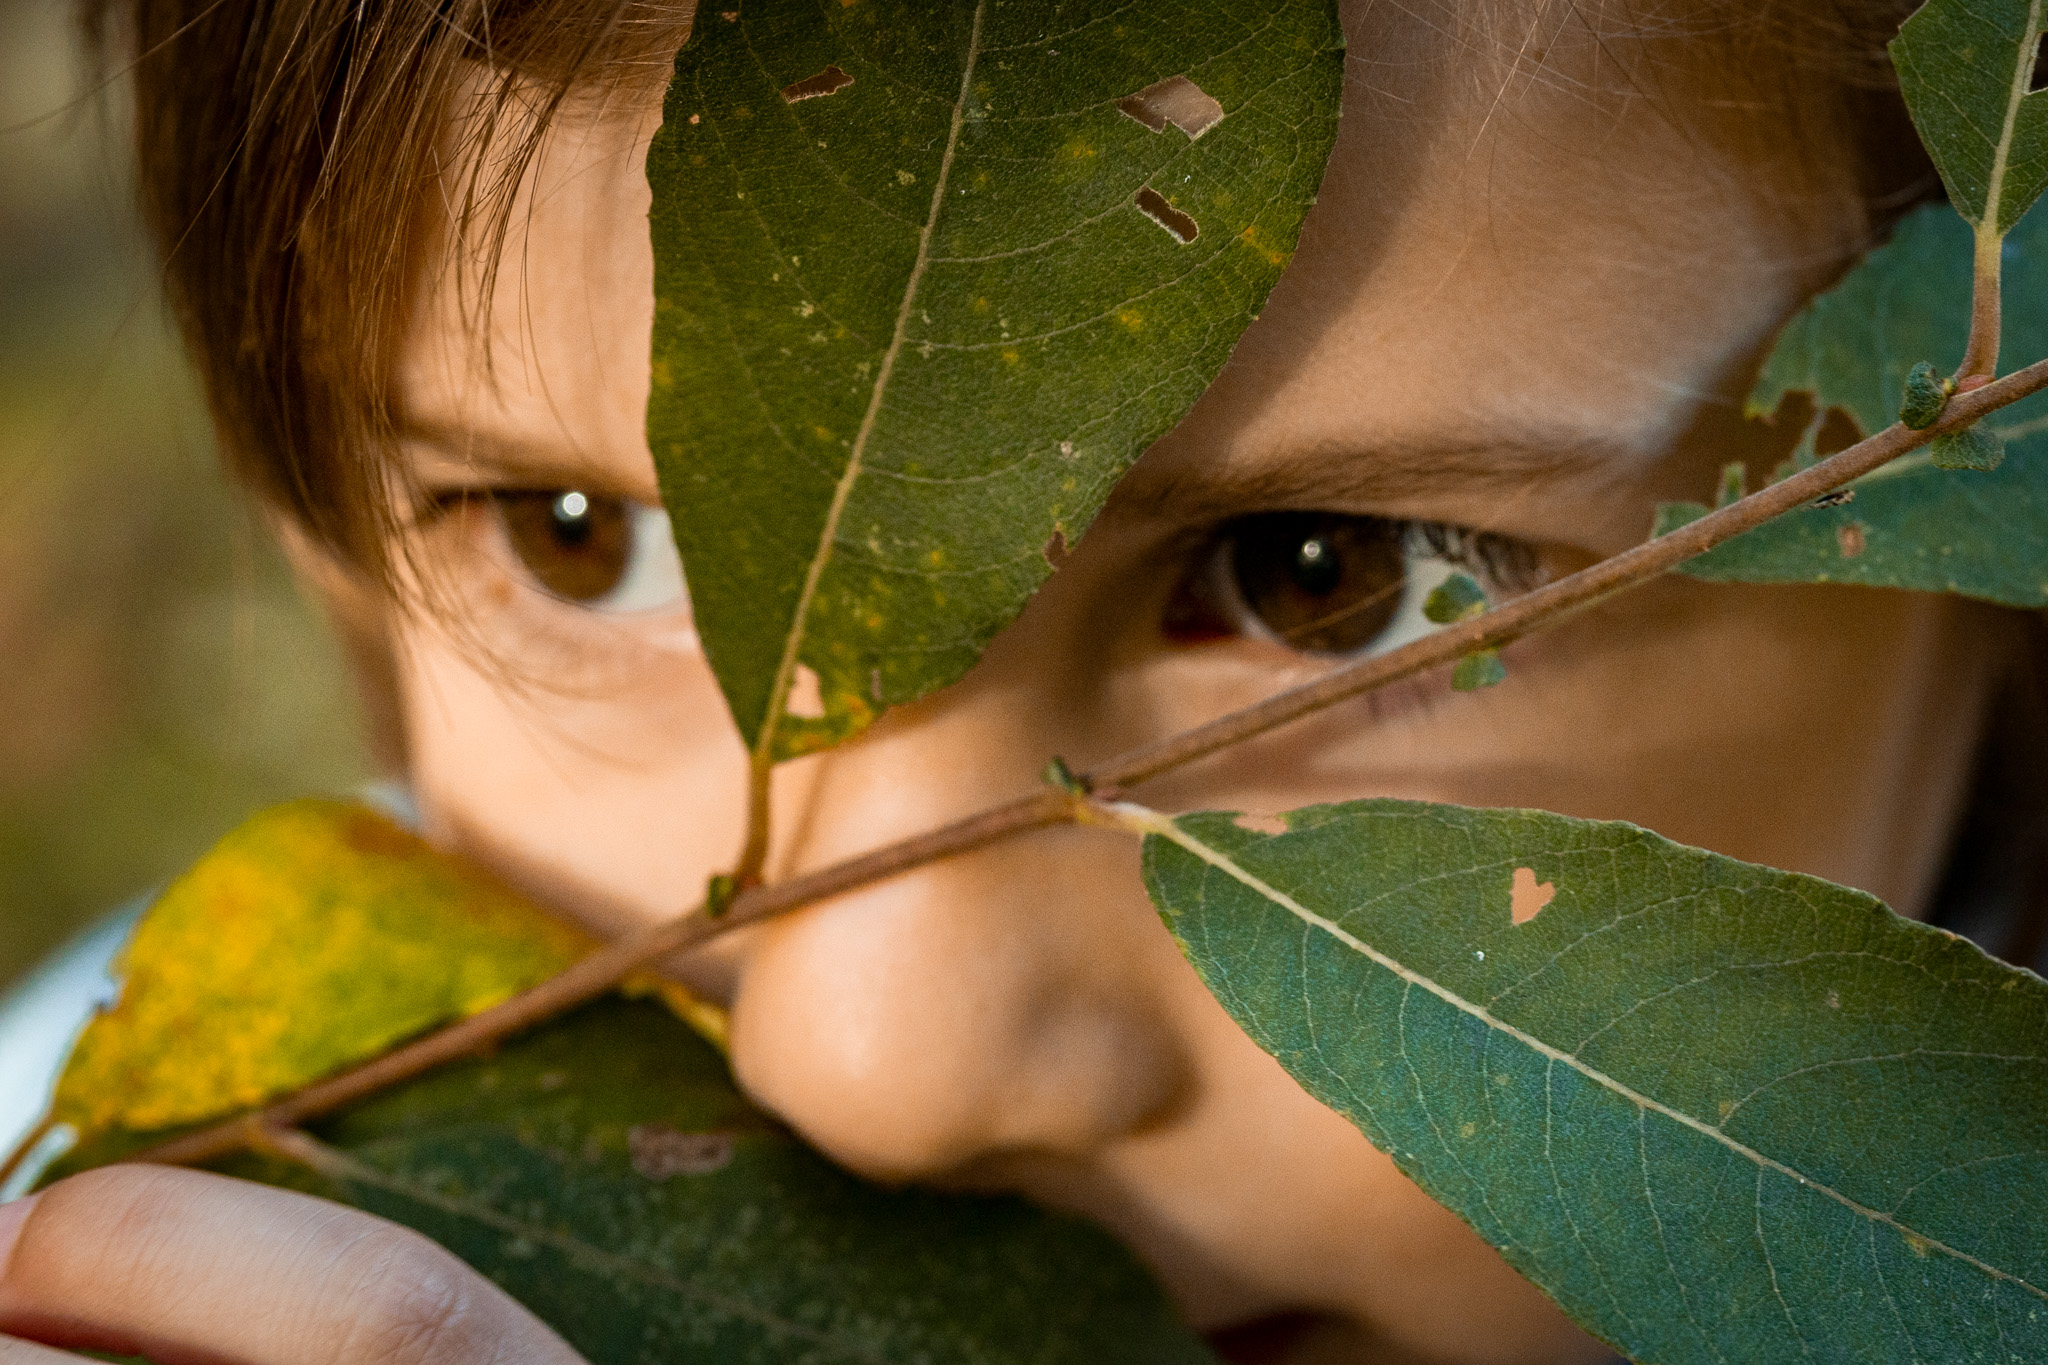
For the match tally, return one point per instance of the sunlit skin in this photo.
(1527, 303)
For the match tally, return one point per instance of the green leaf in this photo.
(1475, 671)
(1910, 524)
(1717, 1111)
(604, 1168)
(909, 332)
(605, 1171)
(1964, 67)
(1974, 447)
(1458, 598)
(1926, 395)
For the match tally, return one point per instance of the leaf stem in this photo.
(1980, 357)
(607, 966)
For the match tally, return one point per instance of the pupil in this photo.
(1318, 568)
(572, 518)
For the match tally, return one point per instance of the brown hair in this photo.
(285, 149)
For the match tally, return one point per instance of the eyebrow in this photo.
(1347, 479)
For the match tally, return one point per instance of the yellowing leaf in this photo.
(314, 936)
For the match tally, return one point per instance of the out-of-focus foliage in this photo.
(159, 674)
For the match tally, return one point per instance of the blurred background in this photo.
(160, 674)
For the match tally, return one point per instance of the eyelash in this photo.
(1328, 584)
(1345, 585)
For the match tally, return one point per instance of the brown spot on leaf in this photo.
(1175, 100)
(658, 1152)
(1852, 538)
(1527, 896)
(1153, 205)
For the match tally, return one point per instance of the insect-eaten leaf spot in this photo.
(660, 1153)
(806, 700)
(1255, 823)
(1055, 550)
(1153, 205)
(1852, 539)
(830, 81)
(1527, 896)
(1176, 100)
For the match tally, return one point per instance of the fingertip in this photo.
(12, 1216)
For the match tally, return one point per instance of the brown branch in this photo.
(1980, 357)
(605, 967)
(1631, 568)
(599, 971)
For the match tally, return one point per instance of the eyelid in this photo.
(653, 583)
(1431, 552)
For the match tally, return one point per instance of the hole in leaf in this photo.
(1852, 539)
(806, 699)
(1256, 823)
(830, 81)
(2040, 79)
(1527, 896)
(1838, 431)
(1153, 205)
(1055, 550)
(1176, 100)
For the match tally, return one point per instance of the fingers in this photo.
(178, 1264)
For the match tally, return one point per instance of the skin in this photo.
(1528, 302)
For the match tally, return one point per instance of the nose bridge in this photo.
(1013, 998)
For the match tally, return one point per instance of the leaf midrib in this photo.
(1171, 831)
(842, 492)
(339, 1165)
(2016, 93)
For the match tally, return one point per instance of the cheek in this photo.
(614, 797)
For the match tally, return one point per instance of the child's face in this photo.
(1526, 304)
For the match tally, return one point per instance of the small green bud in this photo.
(1457, 598)
(1734, 483)
(719, 893)
(1058, 774)
(1475, 671)
(1926, 395)
(1974, 447)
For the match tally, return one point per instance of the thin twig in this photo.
(1631, 568)
(600, 970)
(605, 967)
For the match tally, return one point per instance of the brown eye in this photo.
(1319, 581)
(576, 545)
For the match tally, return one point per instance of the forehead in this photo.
(1520, 261)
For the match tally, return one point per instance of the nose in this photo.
(1014, 999)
